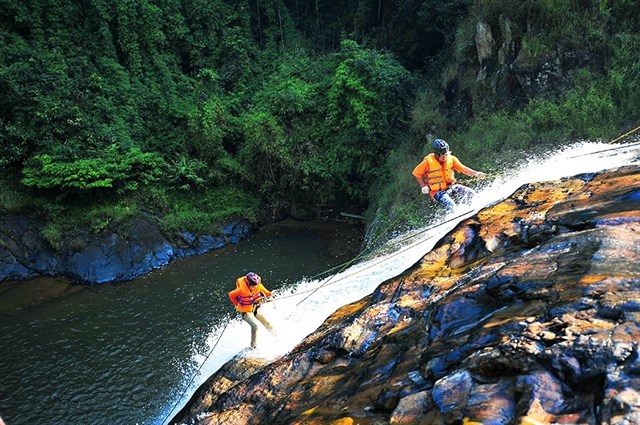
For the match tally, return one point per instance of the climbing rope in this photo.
(343, 266)
(324, 284)
(625, 135)
(619, 147)
(340, 267)
(622, 136)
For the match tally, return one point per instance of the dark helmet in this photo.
(440, 146)
(253, 278)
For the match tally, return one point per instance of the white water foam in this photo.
(303, 307)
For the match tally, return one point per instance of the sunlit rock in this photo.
(451, 394)
(413, 409)
(527, 312)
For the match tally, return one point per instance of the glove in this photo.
(425, 190)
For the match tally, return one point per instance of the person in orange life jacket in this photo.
(435, 174)
(247, 297)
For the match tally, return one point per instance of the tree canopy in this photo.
(293, 102)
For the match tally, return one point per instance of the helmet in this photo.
(253, 278)
(440, 146)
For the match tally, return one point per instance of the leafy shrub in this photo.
(205, 212)
(186, 173)
(104, 216)
(115, 169)
(12, 199)
(54, 234)
(573, 115)
(624, 75)
(585, 103)
(426, 116)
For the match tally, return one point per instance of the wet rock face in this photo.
(528, 312)
(114, 255)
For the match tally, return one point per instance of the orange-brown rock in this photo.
(526, 313)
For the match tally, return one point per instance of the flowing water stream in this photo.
(133, 353)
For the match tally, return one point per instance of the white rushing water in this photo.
(298, 310)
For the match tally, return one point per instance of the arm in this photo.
(264, 291)
(421, 182)
(419, 172)
(473, 173)
(459, 166)
(232, 297)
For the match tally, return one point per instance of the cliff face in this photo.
(527, 312)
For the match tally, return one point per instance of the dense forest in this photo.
(195, 112)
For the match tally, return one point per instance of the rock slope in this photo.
(526, 313)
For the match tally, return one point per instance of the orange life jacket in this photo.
(244, 297)
(436, 175)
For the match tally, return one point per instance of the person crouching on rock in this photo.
(247, 297)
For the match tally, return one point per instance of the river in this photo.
(134, 352)
(120, 353)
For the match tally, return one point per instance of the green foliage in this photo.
(624, 74)
(283, 135)
(186, 173)
(360, 83)
(115, 169)
(490, 136)
(204, 158)
(205, 101)
(351, 102)
(366, 105)
(573, 116)
(12, 199)
(66, 220)
(54, 234)
(537, 46)
(104, 216)
(205, 212)
(426, 116)
(396, 200)
(288, 150)
(288, 97)
(266, 155)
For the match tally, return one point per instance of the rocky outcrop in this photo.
(528, 312)
(514, 64)
(114, 255)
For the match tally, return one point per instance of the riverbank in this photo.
(342, 241)
(121, 253)
(118, 254)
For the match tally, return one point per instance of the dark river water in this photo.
(124, 353)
